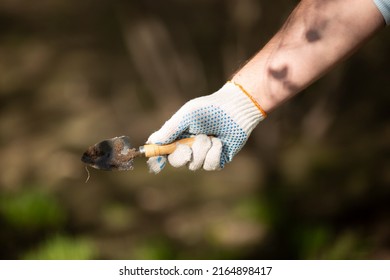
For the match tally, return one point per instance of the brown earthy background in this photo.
(312, 182)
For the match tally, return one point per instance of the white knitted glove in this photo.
(229, 115)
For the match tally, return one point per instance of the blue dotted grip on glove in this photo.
(213, 121)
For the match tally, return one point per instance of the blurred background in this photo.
(311, 183)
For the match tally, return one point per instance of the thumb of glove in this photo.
(165, 135)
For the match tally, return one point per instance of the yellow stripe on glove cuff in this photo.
(250, 97)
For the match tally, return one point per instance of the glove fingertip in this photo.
(200, 147)
(212, 161)
(156, 164)
(181, 156)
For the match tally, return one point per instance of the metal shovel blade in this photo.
(111, 154)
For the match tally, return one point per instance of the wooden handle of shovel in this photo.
(152, 150)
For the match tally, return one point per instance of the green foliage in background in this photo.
(32, 210)
(63, 248)
(153, 248)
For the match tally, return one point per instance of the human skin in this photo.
(317, 36)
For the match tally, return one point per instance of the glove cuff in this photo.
(264, 114)
(240, 106)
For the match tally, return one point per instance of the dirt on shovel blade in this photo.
(111, 154)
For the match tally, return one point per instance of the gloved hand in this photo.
(228, 115)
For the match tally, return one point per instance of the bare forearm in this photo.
(316, 36)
